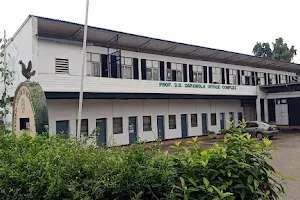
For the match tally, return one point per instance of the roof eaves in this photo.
(161, 40)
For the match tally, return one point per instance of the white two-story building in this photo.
(137, 86)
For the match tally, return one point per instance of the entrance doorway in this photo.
(160, 127)
(101, 138)
(204, 123)
(184, 125)
(132, 130)
(222, 121)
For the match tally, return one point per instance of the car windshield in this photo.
(264, 124)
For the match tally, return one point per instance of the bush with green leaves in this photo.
(60, 168)
(237, 168)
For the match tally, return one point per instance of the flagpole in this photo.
(82, 71)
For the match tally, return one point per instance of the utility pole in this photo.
(82, 71)
(4, 78)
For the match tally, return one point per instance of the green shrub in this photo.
(234, 169)
(58, 168)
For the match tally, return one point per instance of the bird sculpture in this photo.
(27, 73)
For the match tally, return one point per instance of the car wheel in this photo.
(259, 135)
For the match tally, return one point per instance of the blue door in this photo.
(101, 138)
(160, 127)
(204, 123)
(132, 130)
(184, 125)
(222, 120)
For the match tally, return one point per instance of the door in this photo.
(132, 130)
(204, 123)
(184, 125)
(222, 121)
(160, 127)
(249, 110)
(101, 137)
(281, 111)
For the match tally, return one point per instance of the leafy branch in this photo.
(6, 75)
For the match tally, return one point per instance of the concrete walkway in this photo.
(287, 161)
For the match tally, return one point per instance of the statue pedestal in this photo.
(30, 110)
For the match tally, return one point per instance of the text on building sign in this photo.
(196, 85)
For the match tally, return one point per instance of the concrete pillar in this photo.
(140, 69)
(188, 73)
(266, 110)
(258, 109)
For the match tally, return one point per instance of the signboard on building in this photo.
(196, 85)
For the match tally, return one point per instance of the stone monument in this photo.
(30, 110)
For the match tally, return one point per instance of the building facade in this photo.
(141, 87)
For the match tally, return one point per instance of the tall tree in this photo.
(262, 50)
(280, 50)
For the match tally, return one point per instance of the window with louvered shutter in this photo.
(147, 123)
(172, 121)
(213, 119)
(117, 125)
(61, 66)
(194, 121)
(84, 127)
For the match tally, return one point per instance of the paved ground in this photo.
(287, 161)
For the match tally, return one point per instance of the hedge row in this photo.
(57, 168)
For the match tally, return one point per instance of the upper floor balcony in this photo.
(132, 72)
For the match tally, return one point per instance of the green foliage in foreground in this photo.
(57, 168)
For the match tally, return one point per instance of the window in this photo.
(231, 116)
(172, 121)
(147, 123)
(283, 78)
(281, 101)
(194, 120)
(251, 125)
(260, 78)
(127, 67)
(24, 124)
(175, 73)
(83, 128)
(232, 76)
(61, 66)
(152, 70)
(198, 74)
(117, 125)
(294, 79)
(240, 116)
(62, 127)
(93, 64)
(213, 119)
(247, 78)
(216, 75)
(272, 79)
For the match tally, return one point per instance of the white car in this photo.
(260, 129)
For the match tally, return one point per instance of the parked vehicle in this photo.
(260, 129)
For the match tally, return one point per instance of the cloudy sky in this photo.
(234, 25)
